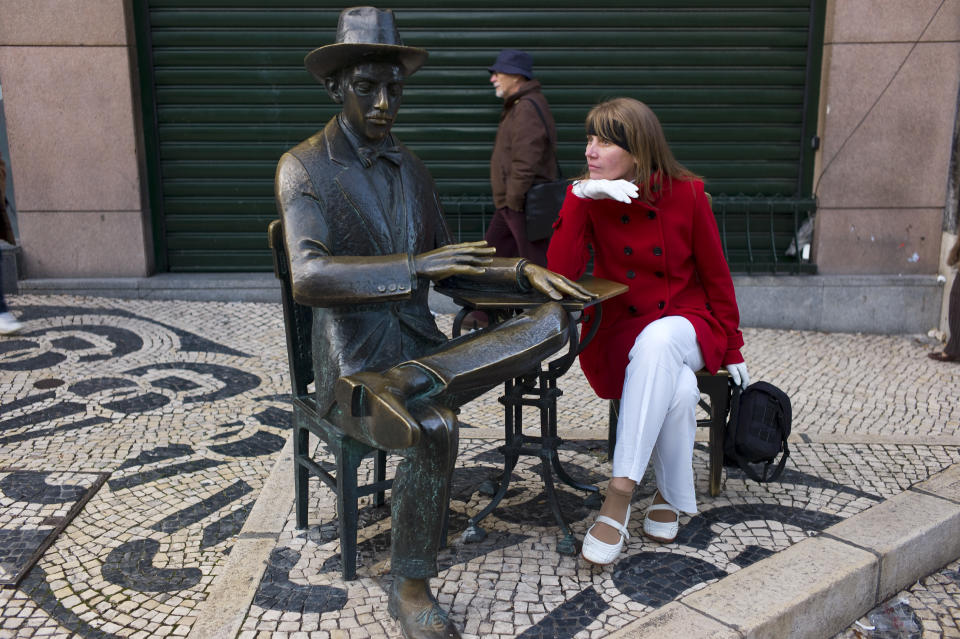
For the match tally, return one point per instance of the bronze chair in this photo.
(721, 394)
(348, 452)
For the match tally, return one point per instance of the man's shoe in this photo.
(382, 405)
(9, 324)
(429, 622)
(599, 552)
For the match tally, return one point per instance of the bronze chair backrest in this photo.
(297, 318)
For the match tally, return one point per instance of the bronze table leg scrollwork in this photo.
(538, 389)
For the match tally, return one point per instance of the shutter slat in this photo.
(304, 41)
(427, 114)
(478, 93)
(475, 62)
(660, 17)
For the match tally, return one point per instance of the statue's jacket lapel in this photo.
(375, 324)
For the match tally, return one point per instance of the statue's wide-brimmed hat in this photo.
(364, 34)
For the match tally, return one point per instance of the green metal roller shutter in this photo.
(225, 93)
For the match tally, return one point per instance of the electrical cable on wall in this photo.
(877, 100)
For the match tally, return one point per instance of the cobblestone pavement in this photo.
(136, 435)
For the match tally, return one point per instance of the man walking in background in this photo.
(523, 154)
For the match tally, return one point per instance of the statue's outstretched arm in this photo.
(471, 262)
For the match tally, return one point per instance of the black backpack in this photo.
(757, 431)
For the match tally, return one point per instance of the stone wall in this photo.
(888, 106)
(65, 66)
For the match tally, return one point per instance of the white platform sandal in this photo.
(599, 552)
(663, 531)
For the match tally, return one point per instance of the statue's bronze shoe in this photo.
(430, 622)
(376, 399)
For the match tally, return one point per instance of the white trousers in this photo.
(658, 410)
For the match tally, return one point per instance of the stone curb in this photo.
(198, 287)
(195, 287)
(818, 587)
(221, 614)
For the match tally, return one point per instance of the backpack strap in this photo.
(553, 143)
(784, 415)
(776, 472)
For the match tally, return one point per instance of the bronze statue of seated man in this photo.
(365, 235)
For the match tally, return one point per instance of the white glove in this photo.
(619, 190)
(739, 374)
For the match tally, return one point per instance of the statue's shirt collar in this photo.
(369, 154)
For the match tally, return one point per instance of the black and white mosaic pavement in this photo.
(181, 408)
(516, 584)
(181, 415)
(35, 507)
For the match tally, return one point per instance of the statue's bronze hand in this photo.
(467, 258)
(553, 284)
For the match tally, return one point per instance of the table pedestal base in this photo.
(539, 390)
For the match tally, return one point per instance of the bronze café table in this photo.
(538, 389)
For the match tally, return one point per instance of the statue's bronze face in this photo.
(370, 94)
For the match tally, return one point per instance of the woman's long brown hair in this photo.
(634, 122)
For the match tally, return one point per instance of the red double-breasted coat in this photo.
(668, 252)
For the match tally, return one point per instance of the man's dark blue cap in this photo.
(513, 61)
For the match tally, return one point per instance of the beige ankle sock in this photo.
(614, 507)
(663, 516)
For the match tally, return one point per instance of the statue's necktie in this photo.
(368, 156)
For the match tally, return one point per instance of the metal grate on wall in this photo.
(225, 94)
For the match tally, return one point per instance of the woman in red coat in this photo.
(649, 225)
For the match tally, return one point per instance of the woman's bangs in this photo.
(606, 127)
